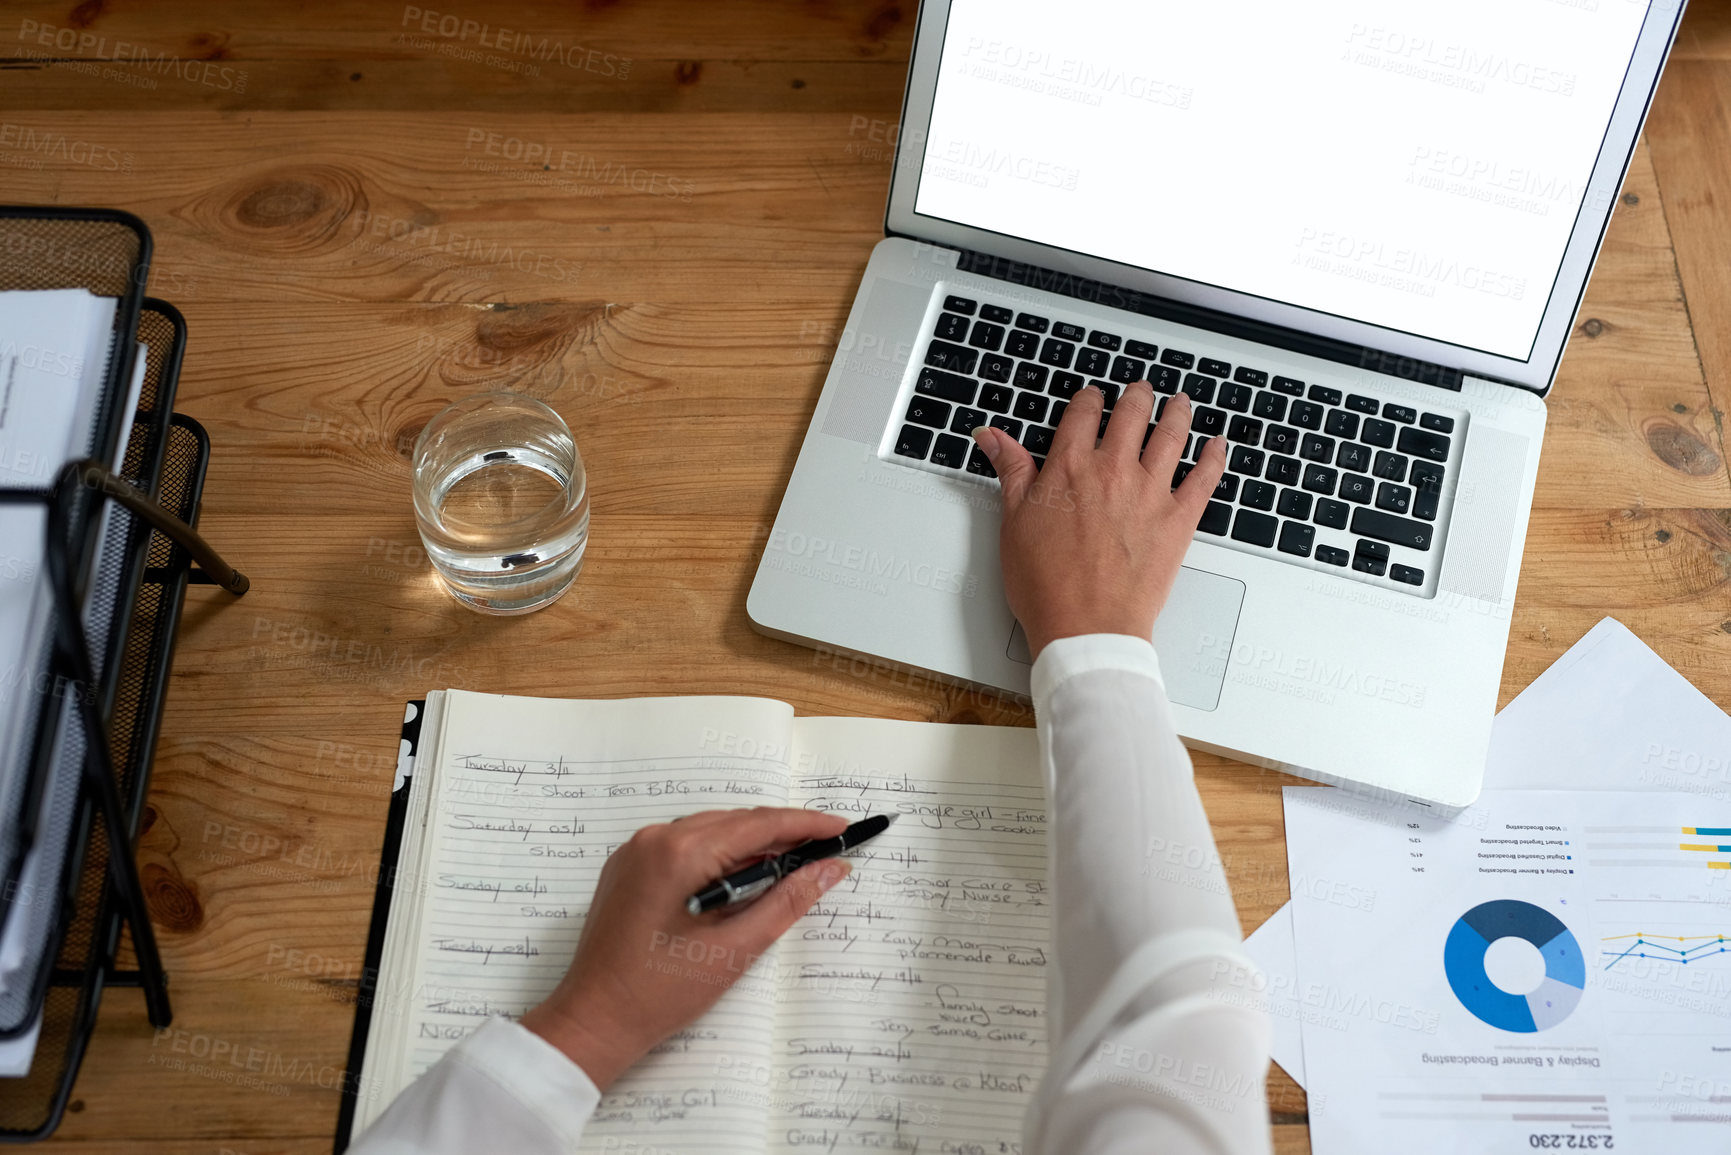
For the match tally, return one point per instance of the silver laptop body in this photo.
(1358, 234)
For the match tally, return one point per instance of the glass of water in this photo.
(502, 502)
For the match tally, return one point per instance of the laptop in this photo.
(1355, 233)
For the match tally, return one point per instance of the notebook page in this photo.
(531, 795)
(913, 998)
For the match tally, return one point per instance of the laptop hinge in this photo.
(1135, 301)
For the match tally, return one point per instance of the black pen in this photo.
(746, 884)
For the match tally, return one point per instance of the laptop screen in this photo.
(1415, 166)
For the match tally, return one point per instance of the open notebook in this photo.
(906, 1011)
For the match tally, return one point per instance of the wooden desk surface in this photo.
(667, 220)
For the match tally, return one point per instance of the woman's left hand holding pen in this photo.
(644, 967)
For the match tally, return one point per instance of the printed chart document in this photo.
(907, 1008)
(1549, 970)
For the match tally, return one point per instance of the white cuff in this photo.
(557, 1091)
(1064, 658)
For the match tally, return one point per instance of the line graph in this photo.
(1683, 948)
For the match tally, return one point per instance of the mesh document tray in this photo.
(166, 457)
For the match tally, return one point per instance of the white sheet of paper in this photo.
(1609, 714)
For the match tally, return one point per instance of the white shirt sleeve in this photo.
(1154, 1046)
(504, 1088)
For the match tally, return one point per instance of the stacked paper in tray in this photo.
(55, 347)
(1550, 968)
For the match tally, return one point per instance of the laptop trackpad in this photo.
(1193, 636)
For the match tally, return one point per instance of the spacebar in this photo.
(1388, 527)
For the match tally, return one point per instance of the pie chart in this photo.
(1464, 963)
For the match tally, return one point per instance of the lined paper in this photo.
(912, 1008)
(532, 796)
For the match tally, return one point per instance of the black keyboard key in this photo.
(1057, 413)
(1377, 433)
(1405, 573)
(946, 386)
(1333, 514)
(986, 336)
(1009, 425)
(996, 313)
(1022, 344)
(1200, 388)
(1332, 555)
(955, 358)
(1094, 362)
(1394, 498)
(1057, 353)
(1296, 537)
(967, 420)
(1423, 443)
(1030, 407)
(1109, 390)
(1245, 460)
(1141, 349)
(1030, 376)
(1216, 519)
(1400, 413)
(1038, 438)
(1178, 360)
(1214, 367)
(1425, 505)
(1107, 341)
(997, 398)
(1283, 470)
(1235, 397)
(1426, 477)
(1064, 385)
(1316, 447)
(1180, 472)
(1292, 503)
(1371, 558)
(1281, 439)
(1245, 431)
(1068, 331)
(1289, 386)
(1269, 406)
(1164, 378)
(1305, 415)
(1437, 423)
(952, 328)
(1255, 528)
(960, 305)
(1208, 422)
(1340, 423)
(997, 367)
(979, 463)
(1248, 376)
(1324, 395)
(1257, 495)
(1128, 369)
(913, 442)
(1357, 487)
(1104, 418)
(1389, 466)
(1227, 487)
(1388, 527)
(1320, 479)
(1030, 322)
(1361, 403)
(951, 451)
(1353, 456)
(928, 411)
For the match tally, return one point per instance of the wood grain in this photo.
(368, 229)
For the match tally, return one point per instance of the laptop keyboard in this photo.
(1329, 478)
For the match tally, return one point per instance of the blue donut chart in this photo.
(1464, 964)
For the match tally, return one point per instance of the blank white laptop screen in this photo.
(1417, 166)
